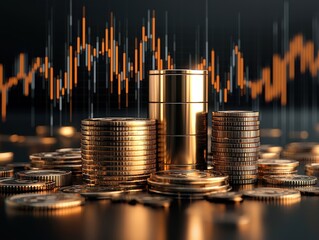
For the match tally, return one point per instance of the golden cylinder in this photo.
(178, 100)
(178, 86)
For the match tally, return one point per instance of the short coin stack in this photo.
(118, 152)
(235, 145)
(276, 167)
(188, 183)
(312, 169)
(65, 160)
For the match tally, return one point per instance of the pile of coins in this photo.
(235, 145)
(68, 159)
(118, 152)
(276, 167)
(188, 183)
(312, 169)
(269, 151)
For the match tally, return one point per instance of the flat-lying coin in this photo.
(21, 185)
(61, 178)
(93, 192)
(309, 190)
(291, 180)
(44, 201)
(266, 193)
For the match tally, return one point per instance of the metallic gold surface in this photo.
(182, 150)
(176, 86)
(179, 119)
(178, 100)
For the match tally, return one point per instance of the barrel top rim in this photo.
(178, 72)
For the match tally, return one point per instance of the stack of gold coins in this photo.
(269, 151)
(276, 167)
(65, 160)
(210, 161)
(118, 151)
(312, 169)
(188, 183)
(235, 145)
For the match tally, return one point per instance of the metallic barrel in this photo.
(178, 100)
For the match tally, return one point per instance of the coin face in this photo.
(266, 193)
(291, 180)
(45, 201)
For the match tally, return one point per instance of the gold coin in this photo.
(45, 201)
(117, 122)
(267, 193)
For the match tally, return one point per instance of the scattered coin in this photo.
(291, 180)
(93, 192)
(266, 193)
(44, 201)
(21, 185)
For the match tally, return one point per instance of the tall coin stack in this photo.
(235, 145)
(118, 152)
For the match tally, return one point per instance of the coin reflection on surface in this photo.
(123, 221)
(198, 223)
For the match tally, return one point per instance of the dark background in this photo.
(24, 28)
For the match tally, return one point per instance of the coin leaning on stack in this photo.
(188, 183)
(118, 152)
(235, 145)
